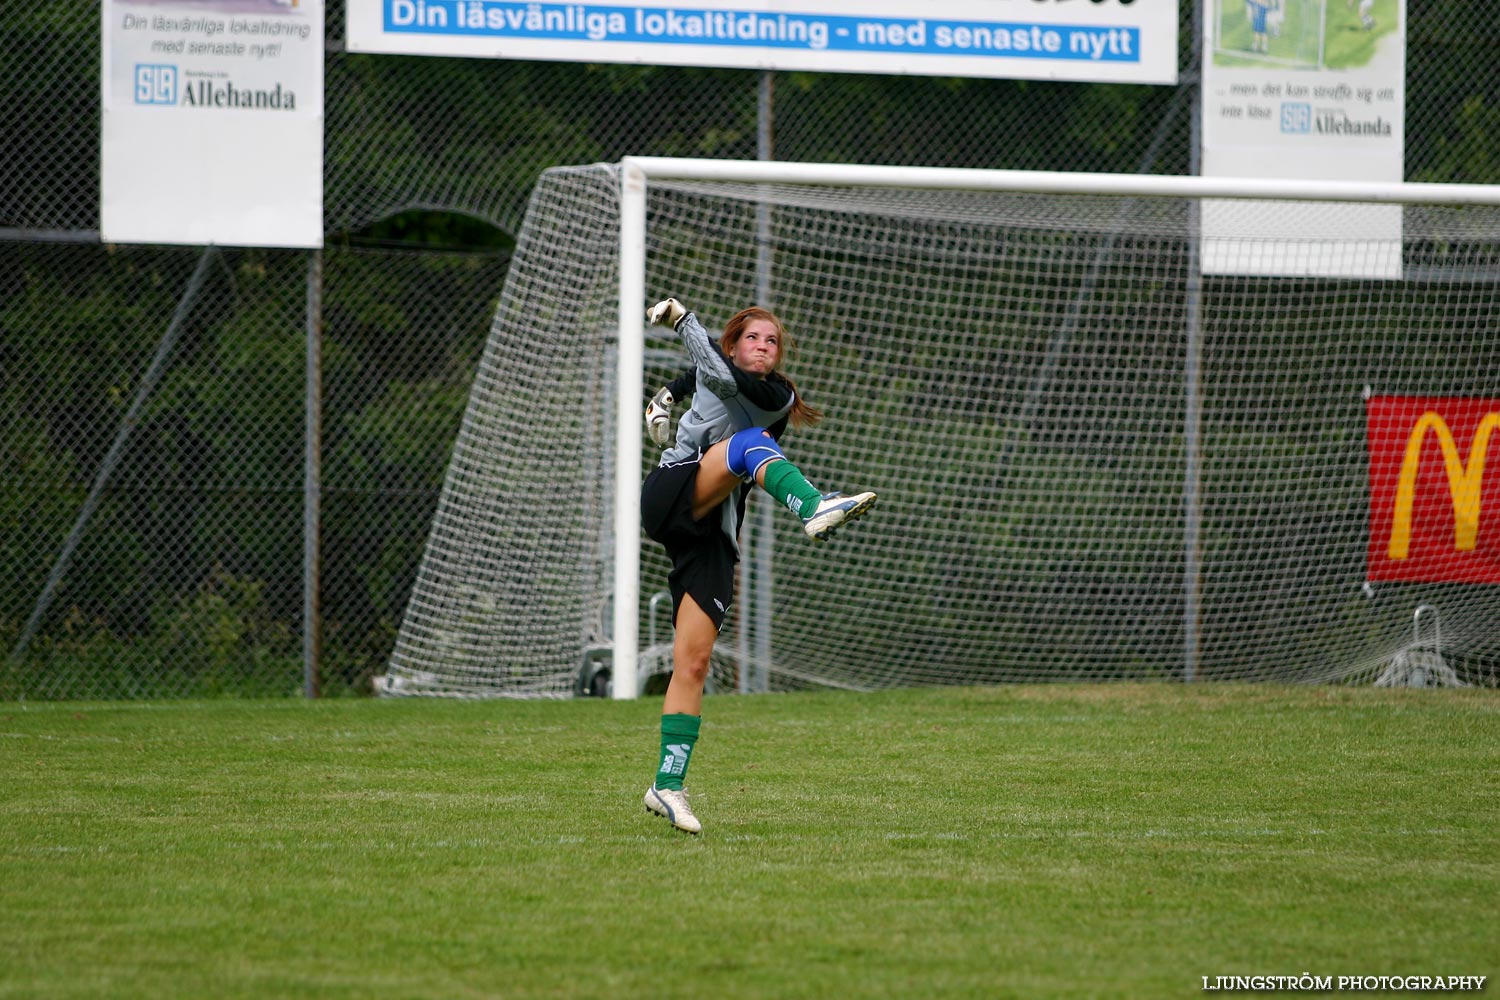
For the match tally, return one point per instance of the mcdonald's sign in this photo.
(1428, 491)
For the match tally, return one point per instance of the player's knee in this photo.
(749, 450)
(691, 660)
(693, 668)
(692, 644)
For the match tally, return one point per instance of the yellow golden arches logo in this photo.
(1464, 481)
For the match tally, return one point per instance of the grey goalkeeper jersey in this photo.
(725, 400)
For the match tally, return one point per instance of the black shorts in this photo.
(703, 557)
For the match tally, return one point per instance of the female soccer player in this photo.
(694, 501)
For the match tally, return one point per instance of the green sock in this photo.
(678, 734)
(787, 484)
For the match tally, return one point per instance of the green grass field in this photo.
(1113, 840)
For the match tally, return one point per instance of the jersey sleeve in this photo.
(713, 367)
(770, 393)
(683, 385)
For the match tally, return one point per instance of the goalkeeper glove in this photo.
(659, 416)
(667, 312)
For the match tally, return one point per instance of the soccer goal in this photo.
(1095, 460)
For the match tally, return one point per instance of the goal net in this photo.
(1093, 461)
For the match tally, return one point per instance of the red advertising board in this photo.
(1432, 508)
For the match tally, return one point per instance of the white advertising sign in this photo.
(1304, 89)
(212, 122)
(1132, 41)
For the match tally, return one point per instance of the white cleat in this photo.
(673, 806)
(837, 509)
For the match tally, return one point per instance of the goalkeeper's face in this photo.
(757, 350)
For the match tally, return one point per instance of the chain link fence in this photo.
(153, 404)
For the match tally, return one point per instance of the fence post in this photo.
(312, 484)
(1192, 417)
(755, 569)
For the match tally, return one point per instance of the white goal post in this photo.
(1096, 460)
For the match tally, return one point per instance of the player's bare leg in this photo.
(692, 641)
(682, 709)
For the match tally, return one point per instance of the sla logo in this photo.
(1296, 118)
(155, 84)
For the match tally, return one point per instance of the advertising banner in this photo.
(1106, 40)
(1309, 90)
(1428, 493)
(212, 122)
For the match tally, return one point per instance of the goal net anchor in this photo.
(1421, 664)
(596, 671)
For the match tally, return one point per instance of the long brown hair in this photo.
(803, 414)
